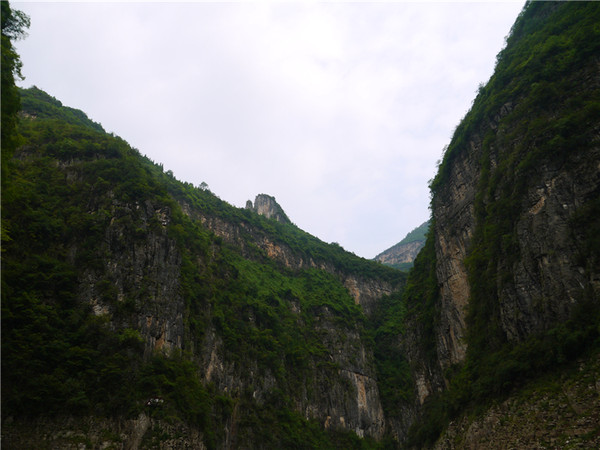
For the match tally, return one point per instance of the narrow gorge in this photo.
(141, 311)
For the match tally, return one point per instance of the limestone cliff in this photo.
(141, 274)
(400, 253)
(364, 290)
(157, 310)
(491, 181)
(141, 312)
(513, 257)
(267, 206)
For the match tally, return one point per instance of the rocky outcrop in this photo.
(543, 271)
(344, 397)
(552, 274)
(490, 184)
(340, 392)
(267, 206)
(138, 287)
(401, 253)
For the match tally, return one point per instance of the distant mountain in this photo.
(402, 255)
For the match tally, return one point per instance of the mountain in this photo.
(141, 303)
(402, 255)
(139, 311)
(507, 288)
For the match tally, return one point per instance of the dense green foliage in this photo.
(418, 234)
(38, 104)
(71, 190)
(394, 377)
(57, 356)
(536, 66)
(14, 24)
(421, 295)
(70, 187)
(550, 118)
(298, 241)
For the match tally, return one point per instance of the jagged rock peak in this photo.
(267, 206)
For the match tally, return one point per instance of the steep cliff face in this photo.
(454, 223)
(339, 392)
(139, 311)
(544, 273)
(514, 260)
(539, 270)
(140, 274)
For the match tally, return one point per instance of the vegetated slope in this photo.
(402, 255)
(140, 310)
(508, 284)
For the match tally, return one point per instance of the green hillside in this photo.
(71, 188)
(418, 234)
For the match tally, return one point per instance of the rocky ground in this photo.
(554, 412)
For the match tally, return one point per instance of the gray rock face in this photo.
(551, 276)
(140, 271)
(545, 275)
(541, 267)
(454, 219)
(404, 252)
(344, 397)
(401, 253)
(141, 268)
(267, 206)
(365, 291)
(512, 216)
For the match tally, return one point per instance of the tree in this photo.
(14, 24)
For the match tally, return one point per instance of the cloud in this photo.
(339, 110)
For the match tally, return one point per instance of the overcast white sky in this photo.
(338, 110)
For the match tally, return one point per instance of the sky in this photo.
(340, 110)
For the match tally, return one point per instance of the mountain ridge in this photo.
(403, 254)
(186, 284)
